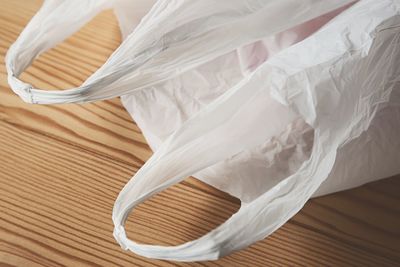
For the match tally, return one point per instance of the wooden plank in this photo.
(62, 167)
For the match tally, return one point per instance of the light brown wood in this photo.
(62, 166)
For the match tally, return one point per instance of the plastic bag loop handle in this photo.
(178, 156)
(34, 40)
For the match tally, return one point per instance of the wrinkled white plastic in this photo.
(271, 101)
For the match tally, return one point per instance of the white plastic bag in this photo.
(272, 101)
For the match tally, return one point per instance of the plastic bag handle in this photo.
(34, 40)
(254, 221)
(47, 22)
(207, 136)
(274, 208)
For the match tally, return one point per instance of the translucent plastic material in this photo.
(271, 101)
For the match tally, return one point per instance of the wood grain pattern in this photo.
(62, 167)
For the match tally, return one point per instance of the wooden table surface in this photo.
(62, 166)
